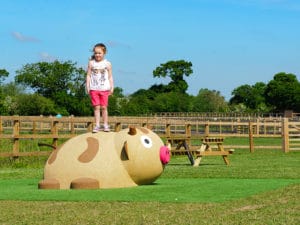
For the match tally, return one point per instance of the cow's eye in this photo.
(146, 141)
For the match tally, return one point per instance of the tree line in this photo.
(49, 88)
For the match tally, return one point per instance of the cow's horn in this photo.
(132, 131)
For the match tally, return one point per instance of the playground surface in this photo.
(256, 188)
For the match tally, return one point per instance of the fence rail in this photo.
(38, 132)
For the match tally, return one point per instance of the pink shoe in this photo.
(106, 128)
(96, 129)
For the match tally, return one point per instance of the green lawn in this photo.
(256, 188)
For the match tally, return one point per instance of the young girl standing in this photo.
(99, 85)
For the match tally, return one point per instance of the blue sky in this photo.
(229, 42)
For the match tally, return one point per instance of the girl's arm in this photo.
(88, 77)
(110, 77)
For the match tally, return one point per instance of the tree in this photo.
(39, 105)
(283, 92)
(140, 102)
(3, 75)
(176, 70)
(9, 94)
(252, 97)
(241, 94)
(209, 101)
(137, 105)
(149, 94)
(117, 102)
(171, 102)
(62, 82)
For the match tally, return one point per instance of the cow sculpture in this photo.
(130, 157)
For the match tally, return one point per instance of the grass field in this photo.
(257, 188)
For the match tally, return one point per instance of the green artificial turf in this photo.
(256, 188)
(163, 190)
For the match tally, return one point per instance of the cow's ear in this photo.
(132, 131)
(124, 152)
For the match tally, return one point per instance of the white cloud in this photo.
(24, 38)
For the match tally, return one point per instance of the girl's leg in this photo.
(97, 115)
(104, 115)
(104, 103)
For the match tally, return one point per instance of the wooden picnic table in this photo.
(206, 149)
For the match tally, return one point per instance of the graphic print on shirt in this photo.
(99, 77)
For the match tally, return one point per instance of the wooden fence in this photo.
(27, 135)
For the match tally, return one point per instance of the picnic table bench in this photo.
(207, 150)
(181, 142)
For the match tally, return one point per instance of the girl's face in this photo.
(99, 53)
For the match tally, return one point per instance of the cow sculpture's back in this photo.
(127, 158)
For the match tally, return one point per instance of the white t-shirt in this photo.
(99, 76)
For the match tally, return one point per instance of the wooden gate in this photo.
(291, 135)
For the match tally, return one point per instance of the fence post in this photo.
(89, 126)
(251, 142)
(188, 132)
(257, 126)
(71, 125)
(285, 135)
(117, 126)
(54, 131)
(34, 127)
(168, 130)
(206, 130)
(16, 132)
(239, 129)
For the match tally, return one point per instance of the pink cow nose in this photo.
(164, 154)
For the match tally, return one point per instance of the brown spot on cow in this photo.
(91, 151)
(144, 130)
(53, 155)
